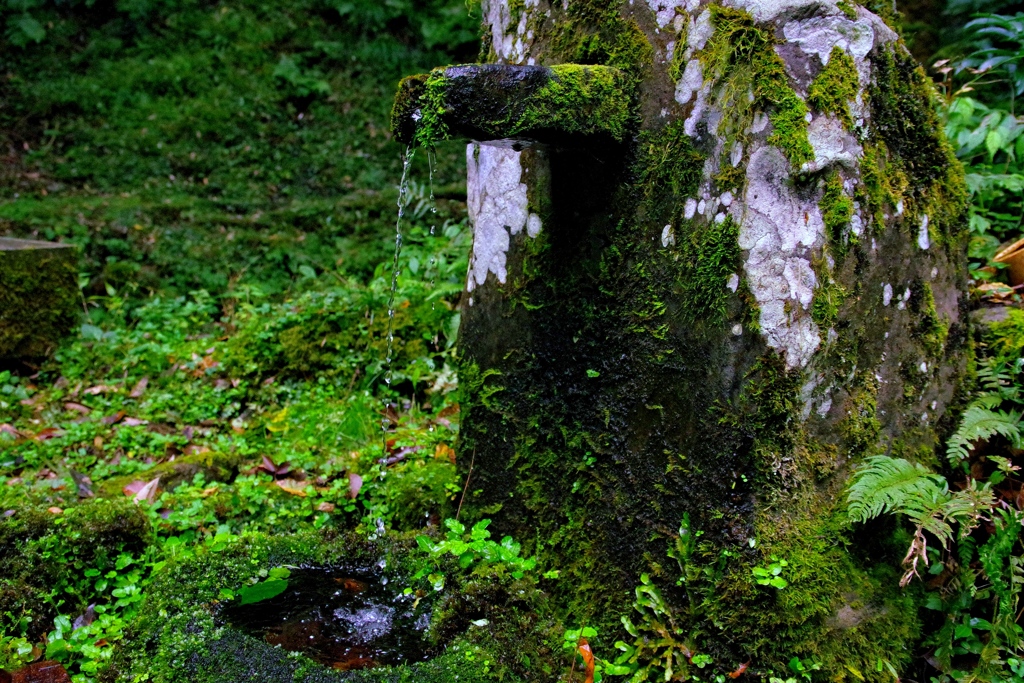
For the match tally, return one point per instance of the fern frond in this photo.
(965, 508)
(980, 423)
(885, 484)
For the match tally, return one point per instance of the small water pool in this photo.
(342, 619)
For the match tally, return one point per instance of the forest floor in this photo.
(229, 176)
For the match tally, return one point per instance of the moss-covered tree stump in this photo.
(39, 299)
(678, 343)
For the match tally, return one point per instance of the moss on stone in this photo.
(214, 466)
(860, 425)
(739, 46)
(836, 212)
(668, 161)
(43, 554)
(713, 255)
(919, 167)
(828, 298)
(594, 32)
(494, 101)
(730, 177)
(835, 87)
(181, 636)
(929, 328)
(39, 299)
(848, 9)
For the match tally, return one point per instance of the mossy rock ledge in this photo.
(183, 636)
(39, 299)
(676, 346)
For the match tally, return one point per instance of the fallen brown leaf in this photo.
(325, 507)
(140, 388)
(583, 647)
(55, 510)
(355, 483)
(291, 486)
(270, 467)
(9, 429)
(48, 433)
(40, 672)
(443, 451)
(100, 389)
(739, 670)
(113, 419)
(148, 492)
(77, 407)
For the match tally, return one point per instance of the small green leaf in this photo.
(264, 590)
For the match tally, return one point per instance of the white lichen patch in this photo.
(923, 240)
(498, 209)
(818, 35)
(886, 294)
(665, 10)
(832, 145)
(768, 10)
(778, 231)
(510, 42)
(668, 238)
(690, 82)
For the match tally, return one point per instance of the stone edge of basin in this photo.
(18, 244)
(566, 104)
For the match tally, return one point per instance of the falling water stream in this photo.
(403, 201)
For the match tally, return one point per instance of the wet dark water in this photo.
(344, 620)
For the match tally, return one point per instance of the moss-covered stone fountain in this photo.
(718, 259)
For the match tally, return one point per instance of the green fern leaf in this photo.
(979, 423)
(885, 484)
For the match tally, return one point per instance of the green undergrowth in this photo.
(244, 413)
(486, 624)
(186, 145)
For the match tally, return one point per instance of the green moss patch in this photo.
(836, 212)
(835, 87)
(181, 633)
(39, 299)
(740, 52)
(493, 101)
(713, 255)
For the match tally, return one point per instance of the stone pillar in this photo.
(673, 370)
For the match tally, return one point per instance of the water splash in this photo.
(432, 263)
(403, 202)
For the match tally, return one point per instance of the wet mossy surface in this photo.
(39, 299)
(182, 633)
(565, 103)
(835, 87)
(41, 548)
(740, 57)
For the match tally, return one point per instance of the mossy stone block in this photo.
(565, 104)
(39, 300)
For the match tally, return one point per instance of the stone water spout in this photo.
(718, 260)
